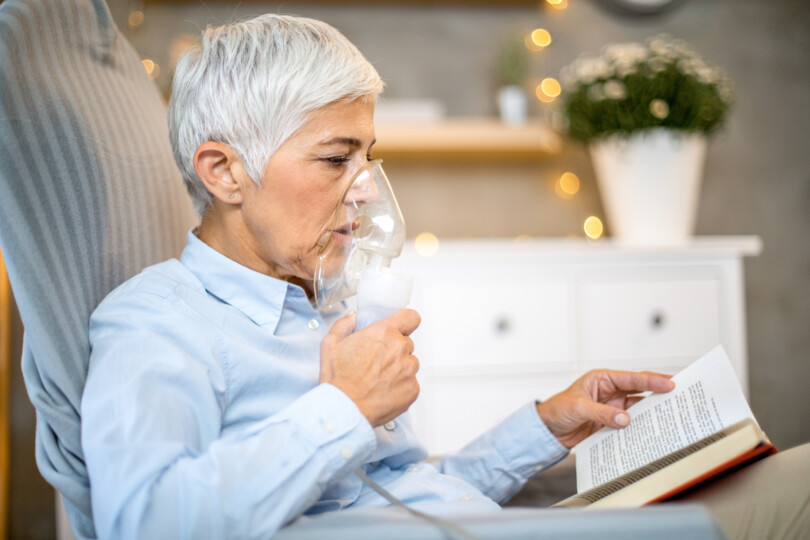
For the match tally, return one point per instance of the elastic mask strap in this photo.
(450, 529)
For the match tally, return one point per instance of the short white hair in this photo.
(251, 84)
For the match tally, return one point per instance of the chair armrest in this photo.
(662, 522)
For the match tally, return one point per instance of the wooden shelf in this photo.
(468, 139)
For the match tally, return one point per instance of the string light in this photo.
(593, 228)
(135, 18)
(530, 44)
(541, 37)
(151, 68)
(548, 90)
(567, 185)
(426, 244)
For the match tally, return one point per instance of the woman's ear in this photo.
(221, 171)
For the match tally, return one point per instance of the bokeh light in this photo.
(593, 228)
(548, 90)
(541, 37)
(135, 18)
(151, 67)
(567, 185)
(531, 45)
(426, 244)
(551, 87)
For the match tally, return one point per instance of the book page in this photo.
(707, 398)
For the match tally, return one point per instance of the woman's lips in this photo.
(342, 235)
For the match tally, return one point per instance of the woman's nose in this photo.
(363, 190)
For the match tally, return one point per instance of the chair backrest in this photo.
(89, 195)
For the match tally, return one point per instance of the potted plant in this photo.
(645, 112)
(512, 69)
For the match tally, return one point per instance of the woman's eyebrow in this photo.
(351, 141)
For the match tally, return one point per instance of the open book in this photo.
(674, 441)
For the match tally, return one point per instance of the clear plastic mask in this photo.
(367, 230)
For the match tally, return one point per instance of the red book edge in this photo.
(761, 450)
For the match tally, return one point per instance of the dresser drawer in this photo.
(506, 319)
(648, 323)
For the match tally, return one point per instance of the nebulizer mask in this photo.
(366, 232)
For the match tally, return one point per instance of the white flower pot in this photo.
(650, 184)
(513, 105)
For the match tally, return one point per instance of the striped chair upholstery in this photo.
(89, 195)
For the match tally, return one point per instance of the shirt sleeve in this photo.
(502, 460)
(152, 421)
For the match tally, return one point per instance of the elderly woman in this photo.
(220, 402)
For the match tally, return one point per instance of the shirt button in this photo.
(347, 452)
(313, 324)
(538, 468)
(466, 497)
(390, 426)
(413, 469)
(328, 426)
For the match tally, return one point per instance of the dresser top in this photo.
(696, 247)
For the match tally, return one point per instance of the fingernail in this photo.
(621, 419)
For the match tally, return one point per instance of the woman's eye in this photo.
(337, 160)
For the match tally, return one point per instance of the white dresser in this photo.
(505, 322)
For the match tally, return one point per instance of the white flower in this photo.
(725, 89)
(615, 89)
(680, 47)
(690, 66)
(585, 71)
(707, 75)
(596, 92)
(659, 108)
(656, 65)
(568, 78)
(603, 68)
(625, 53)
(659, 45)
(624, 71)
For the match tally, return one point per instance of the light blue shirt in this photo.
(202, 416)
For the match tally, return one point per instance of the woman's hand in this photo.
(375, 367)
(597, 399)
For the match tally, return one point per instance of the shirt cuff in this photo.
(529, 447)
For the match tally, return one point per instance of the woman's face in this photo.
(303, 183)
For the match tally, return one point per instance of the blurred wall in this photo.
(757, 178)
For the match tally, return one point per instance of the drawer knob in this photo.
(502, 325)
(658, 320)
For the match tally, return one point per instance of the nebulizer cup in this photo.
(365, 234)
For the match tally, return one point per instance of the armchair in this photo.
(89, 195)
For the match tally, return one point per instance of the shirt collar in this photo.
(259, 296)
